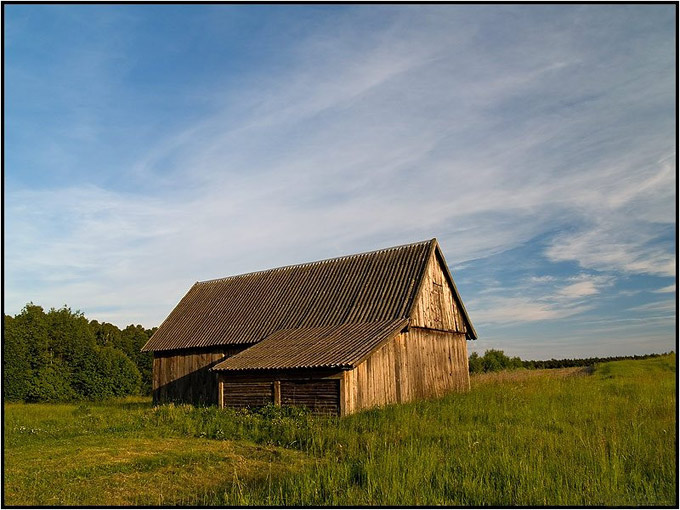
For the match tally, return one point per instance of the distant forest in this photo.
(495, 360)
(59, 356)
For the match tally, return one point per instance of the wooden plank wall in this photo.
(321, 396)
(435, 306)
(417, 364)
(184, 375)
(318, 390)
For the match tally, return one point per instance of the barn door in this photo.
(247, 394)
(321, 396)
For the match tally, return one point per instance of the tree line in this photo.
(59, 355)
(494, 360)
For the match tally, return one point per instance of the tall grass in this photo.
(557, 437)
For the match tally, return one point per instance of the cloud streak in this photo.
(435, 121)
(539, 298)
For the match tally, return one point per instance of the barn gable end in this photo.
(437, 304)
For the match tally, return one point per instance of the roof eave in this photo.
(471, 334)
(308, 367)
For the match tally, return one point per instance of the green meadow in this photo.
(528, 437)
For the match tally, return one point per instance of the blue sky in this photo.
(151, 146)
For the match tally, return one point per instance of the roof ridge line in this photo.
(322, 261)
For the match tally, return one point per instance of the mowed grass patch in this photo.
(135, 471)
(546, 437)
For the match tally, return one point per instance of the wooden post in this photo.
(342, 396)
(220, 391)
(277, 393)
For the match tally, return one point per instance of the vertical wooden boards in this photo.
(342, 401)
(435, 307)
(184, 376)
(348, 391)
(420, 363)
(277, 393)
(220, 385)
(155, 381)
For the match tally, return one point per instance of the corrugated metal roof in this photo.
(368, 287)
(339, 346)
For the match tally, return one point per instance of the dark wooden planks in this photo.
(318, 390)
(248, 394)
(185, 375)
(320, 396)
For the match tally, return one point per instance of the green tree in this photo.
(50, 384)
(494, 360)
(16, 367)
(134, 338)
(73, 342)
(107, 334)
(120, 376)
(60, 356)
(475, 363)
(71, 336)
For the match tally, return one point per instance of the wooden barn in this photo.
(336, 336)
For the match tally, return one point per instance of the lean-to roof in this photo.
(339, 346)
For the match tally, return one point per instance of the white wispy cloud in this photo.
(663, 290)
(526, 302)
(512, 310)
(667, 306)
(431, 124)
(584, 285)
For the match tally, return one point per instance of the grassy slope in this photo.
(557, 437)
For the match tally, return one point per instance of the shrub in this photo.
(492, 361)
(50, 384)
(120, 375)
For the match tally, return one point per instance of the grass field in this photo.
(544, 437)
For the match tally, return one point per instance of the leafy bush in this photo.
(492, 361)
(119, 374)
(50, 383)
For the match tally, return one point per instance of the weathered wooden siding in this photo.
(322, 396)
(184, 375)
(417, 364)
(318, 390)
(248, 394)
(435, 306)
(428, 360)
